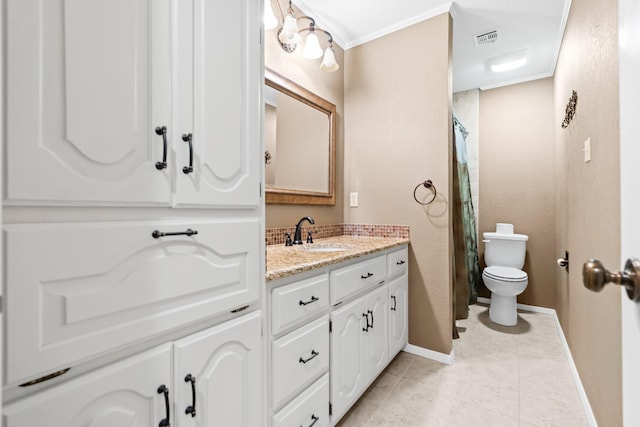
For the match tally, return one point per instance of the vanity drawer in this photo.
(78, 290)
(397, 262)
(304, 409)
(352, 279)
(292, 304)
(298, 359)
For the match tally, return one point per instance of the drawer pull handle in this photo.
(366, 316)
(366, 276)
(188, 232)
(162, 131)
(45, 378)
(313, 299)
(191, 409)
(395, 303)
(313, 355)
(400, 262)
(371, 313)
(188, 138)
(163, 389)
(314, 420)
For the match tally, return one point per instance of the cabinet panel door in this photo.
(226, 361)
(122, 394)
(376, 349)
(293, 303)
(398, 315)
(350, 280)
(309, 408)
(348, 369)
(397, 262)
(80, 289)
(218, 101)
(88, 81)
(299, 358)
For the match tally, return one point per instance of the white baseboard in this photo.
(591, 419)
(430, 354)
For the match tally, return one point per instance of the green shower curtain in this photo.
(466, 264)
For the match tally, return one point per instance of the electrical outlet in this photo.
(353, 200)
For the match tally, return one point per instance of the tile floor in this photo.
(502, 376)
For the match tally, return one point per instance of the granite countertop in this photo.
(283, 261)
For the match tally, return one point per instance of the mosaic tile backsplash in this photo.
(275, 236)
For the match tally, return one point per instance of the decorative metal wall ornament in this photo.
(570, 111)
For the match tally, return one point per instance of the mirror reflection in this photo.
(299, 144)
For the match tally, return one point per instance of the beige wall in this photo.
(517, 177)
(330, 86)
(588, 219)
(398, 128)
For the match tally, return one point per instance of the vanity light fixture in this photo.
(290, 35)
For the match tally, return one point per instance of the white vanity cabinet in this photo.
(138, 391)
(79, 290)
(91, 85)
(364, 303)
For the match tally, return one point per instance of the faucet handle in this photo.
(309, 238)
(288, 241)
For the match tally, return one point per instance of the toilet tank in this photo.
(505, 250)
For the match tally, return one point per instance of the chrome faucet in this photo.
(297, 238)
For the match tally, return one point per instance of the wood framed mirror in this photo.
(300, 144)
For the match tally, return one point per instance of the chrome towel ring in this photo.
(429, 185)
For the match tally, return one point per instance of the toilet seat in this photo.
(505, 274)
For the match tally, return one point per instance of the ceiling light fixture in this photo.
(289, 36)
(508, 61)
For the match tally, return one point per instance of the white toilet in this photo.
(504, 254)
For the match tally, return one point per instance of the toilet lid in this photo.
(507, 274)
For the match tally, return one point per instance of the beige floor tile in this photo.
(503, 376)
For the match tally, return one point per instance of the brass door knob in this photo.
(595, 276)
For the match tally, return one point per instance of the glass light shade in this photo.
(290, 34)
(312, 49)
(329, 61)
(270, 20)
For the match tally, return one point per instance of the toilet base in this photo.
(503, 310)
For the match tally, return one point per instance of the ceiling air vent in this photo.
(486, 38)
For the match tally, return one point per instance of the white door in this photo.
(217, 99)
(125, 393)
(88, 82)
(348, 366)
(629, 46)
(377, 342)
(223, 365)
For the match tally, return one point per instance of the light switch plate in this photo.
(587, 150)
(353, 200)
